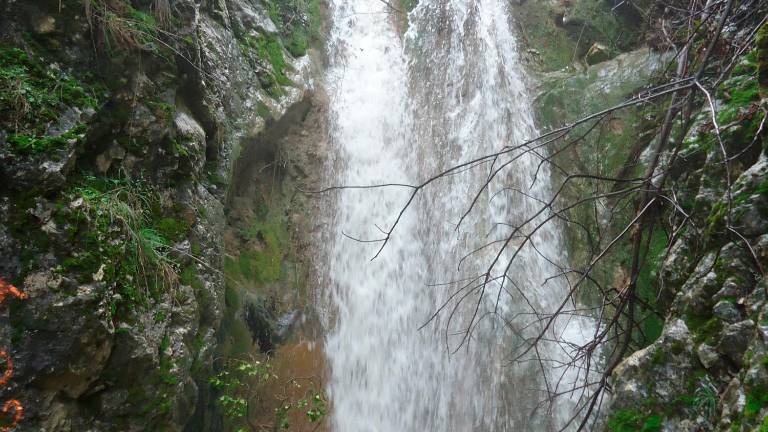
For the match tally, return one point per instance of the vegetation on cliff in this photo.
(119, 125)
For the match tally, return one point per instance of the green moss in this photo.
(647, 288)
(198, 364)
(271, 49)
(265, 265)
(633, 421)
(736, 425)
(677, 347)
(705, 330)
(263, 110)
(33, 95)
(231, 298)
(659, 357)
(408, 5)
(25, 144)
(268, 48)
(172, 229)
(559, 45)
(761, 58)
(747, 65)
(555, 47)
(189, 277)
(764, 425)
(162, 110)
(757, 399)
(296, 34)
(297, 43)
(715, 222)
(742, 91)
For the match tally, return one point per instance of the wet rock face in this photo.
(133, 161)
(715, 276)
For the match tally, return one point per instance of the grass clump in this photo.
(118, 26)
(119, 239)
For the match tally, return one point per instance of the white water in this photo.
(400, 112)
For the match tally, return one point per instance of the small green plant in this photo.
(239, 382)
(705, 398)
(242, 384)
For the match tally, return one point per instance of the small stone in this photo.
(41, 211)
(597, 53)
(44, 25)
(99, 275)
(104, 160)
(732, 399)
(707, 355)
(729, 289)
(727, 311)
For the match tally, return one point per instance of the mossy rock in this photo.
(762, 59)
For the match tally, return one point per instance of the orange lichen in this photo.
(8, 368)
(8, 289)
(13, 407)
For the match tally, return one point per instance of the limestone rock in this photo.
(69, 358)
(734, 340)
(251, 16)
(44, 24)
(707, 355)
(105, 159)
(658, 371)
(726, 311)
(190, 140)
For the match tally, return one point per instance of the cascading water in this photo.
(400, 112)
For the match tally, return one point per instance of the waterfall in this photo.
(401, 110)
